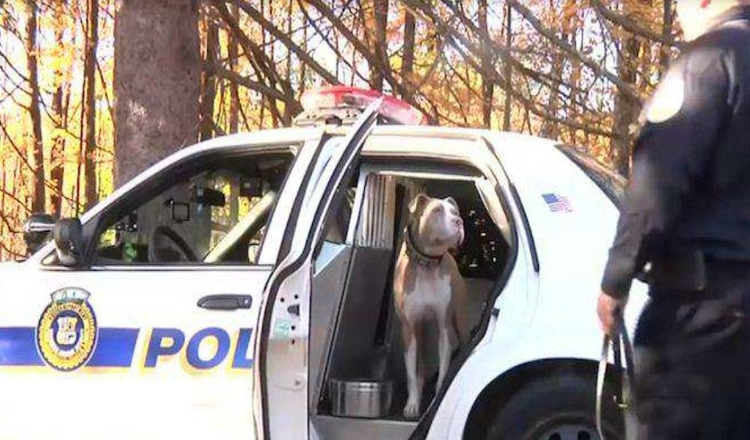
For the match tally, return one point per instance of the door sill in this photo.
(340, 428)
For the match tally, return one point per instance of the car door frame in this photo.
(294, 257)
(293, 140)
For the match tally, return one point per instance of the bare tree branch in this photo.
(286, 39)
(631, 25)
(255, 85)
(568, 49)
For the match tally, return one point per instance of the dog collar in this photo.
(421, 258)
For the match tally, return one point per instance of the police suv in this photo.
(241, 288)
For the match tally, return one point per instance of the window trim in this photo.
(95, 226)
(591, 167)
(185, 267)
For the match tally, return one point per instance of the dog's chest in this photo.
(431, 294)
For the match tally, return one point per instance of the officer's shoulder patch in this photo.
(667, 100)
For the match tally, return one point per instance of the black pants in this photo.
(692, 355)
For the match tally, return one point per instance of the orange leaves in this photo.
(555, 76)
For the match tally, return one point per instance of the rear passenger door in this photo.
(282, 383)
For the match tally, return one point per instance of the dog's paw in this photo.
(411, 410)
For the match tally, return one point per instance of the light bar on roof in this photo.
(343, 97)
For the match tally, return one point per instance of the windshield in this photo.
(606, 179)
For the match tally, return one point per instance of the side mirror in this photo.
(36, 231)
(68, 236)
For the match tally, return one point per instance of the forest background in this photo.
(93, 91)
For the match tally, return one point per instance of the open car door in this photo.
(281, 383)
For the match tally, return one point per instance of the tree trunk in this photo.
(234, 94)
(376, 19)
(407, 66)
(38, 203)
(488, 86)
(576, 101)
(60, 101)
(208, 95)
(157, 81)
(288, 110)
(89, 72)
(5, 243)
(60, 111)
(626, 107)
(508, 107)
(665, 54)
(550, 129)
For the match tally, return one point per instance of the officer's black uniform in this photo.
(686, 215)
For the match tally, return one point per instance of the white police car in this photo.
(221, 292)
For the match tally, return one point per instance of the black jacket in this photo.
(690, 183)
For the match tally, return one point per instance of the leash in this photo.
(619, 343)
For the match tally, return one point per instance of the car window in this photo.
(217, 214)
(610, 182)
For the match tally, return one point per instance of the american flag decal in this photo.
(557, 203)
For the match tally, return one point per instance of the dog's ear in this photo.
(453, 202)
(418, 204)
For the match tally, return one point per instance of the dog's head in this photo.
(436, 224)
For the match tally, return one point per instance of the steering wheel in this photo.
(155, 256)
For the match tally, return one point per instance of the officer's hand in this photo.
(608, 308)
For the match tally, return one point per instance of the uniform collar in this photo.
(420, 257)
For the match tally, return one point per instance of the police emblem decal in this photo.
(67, 332)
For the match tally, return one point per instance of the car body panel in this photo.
(158, 356)
(157, 353)
(544, 314)
(572, 248)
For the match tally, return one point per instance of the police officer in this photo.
(685, 225)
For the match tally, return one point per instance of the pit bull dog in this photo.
(427, 284)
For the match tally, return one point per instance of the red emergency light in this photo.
(342, 105)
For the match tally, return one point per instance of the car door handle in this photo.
(225, 302)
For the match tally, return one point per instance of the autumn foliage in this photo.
(573, 70)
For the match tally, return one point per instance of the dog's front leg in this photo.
(411, 410)
(444, 348)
